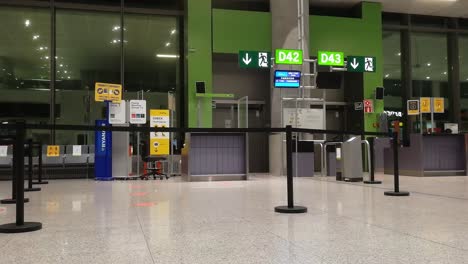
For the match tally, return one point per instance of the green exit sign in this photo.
(330, 58)
(287, 56)
(254, 59)
(361, 64)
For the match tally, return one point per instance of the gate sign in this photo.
(107, 92)
(438, 105)
(159, 141)
(413, 107)
(361, 64)
(288, 56)
(330, 58)
(53, 151)
(368, 106)
(254, 59)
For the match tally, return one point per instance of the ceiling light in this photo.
(46, 57)
(35, 37)
(41, 48)
(399, 54)
(115, 28)
(27, 22)
(57, 57)
(68, 77)
(173, 32)
(65, 71)
(428, 64)
(168, 44)
(387, 75)
(167, 56)
(61, 65)
(445, 73)
(427, 78)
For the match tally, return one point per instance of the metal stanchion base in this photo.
(26, 227)
(392, 193)
(372, 182)
(12, 201)
(41, 182)
(32, 189)
(291, 210)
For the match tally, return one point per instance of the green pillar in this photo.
(199, 60)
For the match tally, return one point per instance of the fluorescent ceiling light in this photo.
(173, 32)
(167, 56)
(27, 22)
(35, 37)
(168, 44)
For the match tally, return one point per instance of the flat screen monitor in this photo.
(379, 93)
(287, 79)
(329, 80)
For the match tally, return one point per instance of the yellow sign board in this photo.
(108, 92)
(159, 141)
(439, 105)
(53, 151)
(425, 104)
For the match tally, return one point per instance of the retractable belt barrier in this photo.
(18, 141)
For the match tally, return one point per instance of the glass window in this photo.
(88, 51)
(430, 71)
(392, 71)
(24, 66)
(463, 49)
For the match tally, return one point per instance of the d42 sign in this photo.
(285, 56)
(330, 58)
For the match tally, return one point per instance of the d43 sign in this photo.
(330, 58)
(285, 56)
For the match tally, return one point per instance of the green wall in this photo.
(354, 36)
(247, 30)
(199, 59)
(241, 30)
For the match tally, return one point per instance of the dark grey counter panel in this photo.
(209, 156)
(430, 155)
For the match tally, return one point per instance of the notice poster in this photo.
(137, 112)
(53, 151)
(3, 151)
(76, 150)
(117, 113)
(159, 141)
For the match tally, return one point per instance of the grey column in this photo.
(285, 35)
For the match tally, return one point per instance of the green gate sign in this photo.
(361, 64)
(254, 59)
(330, 58)
(287, 56)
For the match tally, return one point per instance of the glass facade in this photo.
(392, 71)
(88, 49)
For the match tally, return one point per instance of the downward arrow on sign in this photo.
(247, 60)
(354, 64)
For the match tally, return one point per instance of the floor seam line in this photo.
(146, 241)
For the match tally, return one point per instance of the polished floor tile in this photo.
(234, 222)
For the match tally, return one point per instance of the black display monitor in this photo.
(379, 93)
(329, 80)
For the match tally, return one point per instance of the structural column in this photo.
(285, 35)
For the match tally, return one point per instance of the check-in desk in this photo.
(214, 157)
(430, 155)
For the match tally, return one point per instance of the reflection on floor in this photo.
(233, 222)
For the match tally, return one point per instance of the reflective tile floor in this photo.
(142, 222)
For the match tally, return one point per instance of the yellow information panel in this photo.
(159, 141)
(439, 105)
(108, 92)
(53, 151)
(425, 104)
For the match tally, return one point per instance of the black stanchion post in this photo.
(372, 163)
(18, 152)
(30, 169)
(39, 167)
(13, 184)
(396, 172)
(290, 208)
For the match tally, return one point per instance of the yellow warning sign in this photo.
(108, 92)
(439, 105)
(159, 141)
(425, 104)
(53, 151)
